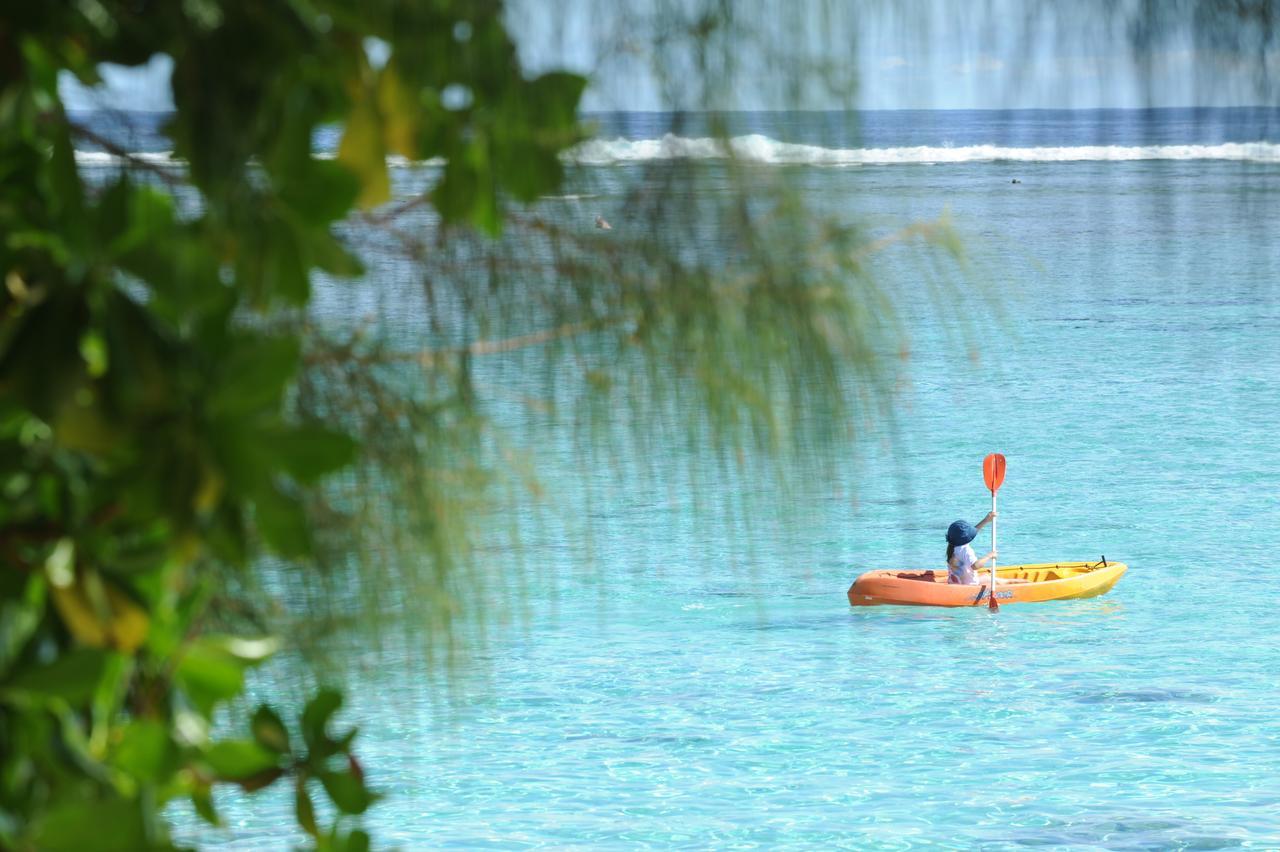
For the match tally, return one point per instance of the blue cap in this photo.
(961, 532)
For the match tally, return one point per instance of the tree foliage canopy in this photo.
(145, 366)
(173, 416)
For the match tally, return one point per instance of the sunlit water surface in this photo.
(676, 693)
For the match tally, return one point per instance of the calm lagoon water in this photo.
(678, 694)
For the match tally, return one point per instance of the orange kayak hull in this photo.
(1047, 581)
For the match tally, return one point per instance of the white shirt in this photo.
(962, 571)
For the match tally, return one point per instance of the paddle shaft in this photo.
(993, 474)
(993, 544)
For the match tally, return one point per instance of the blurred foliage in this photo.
(146, 445)
(180, 428)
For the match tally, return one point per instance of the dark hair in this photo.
(951, 551)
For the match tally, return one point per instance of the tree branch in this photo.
(170, 178)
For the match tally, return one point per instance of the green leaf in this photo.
(401, 110)
(361, 150)
(241, 760)
(212, 667)
(347, 791)
(226, 538)
(111, 212)
(338, 840)
(19, 617)
(539, 124)
(138, 229)
(269, 731)
(52, 243)
(40, 363)
(181, 270)
(209, 676)
(61, 563)
(315, 716)
(320, 193)
(93, 349)
(304, 808)
(73, 678)
(284, 273)
(467, 192)
(254, 374)
(331, 256)
(143, 750)
(148, 219)
(202, 800)
(309, 452)
(358, 841)
(553, 99)
(68, 193)
(109, 825)
(283, 523)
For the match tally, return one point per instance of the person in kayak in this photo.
(961, 559)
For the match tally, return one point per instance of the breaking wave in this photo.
(103, 158)
(761, 149)
(166, 158)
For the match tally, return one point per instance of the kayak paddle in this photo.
(993, 473)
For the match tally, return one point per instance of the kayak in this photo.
(1048, 581)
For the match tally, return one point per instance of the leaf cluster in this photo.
(148, 350)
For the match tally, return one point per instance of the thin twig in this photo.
(915, 229)
(433, 357)
(387, 213)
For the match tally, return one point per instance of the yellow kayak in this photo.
(1048, 581)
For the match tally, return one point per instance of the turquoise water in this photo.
(686, 691)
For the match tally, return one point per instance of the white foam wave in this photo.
(762, 149)
(166, 158)
(103, 158)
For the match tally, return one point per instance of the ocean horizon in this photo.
(844, 138)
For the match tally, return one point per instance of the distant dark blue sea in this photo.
(1204, 128)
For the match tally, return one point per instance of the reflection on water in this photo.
(1146, 696)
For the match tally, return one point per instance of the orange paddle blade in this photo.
(993, 471)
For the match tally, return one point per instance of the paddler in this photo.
(961, 559)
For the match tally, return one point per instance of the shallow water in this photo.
(682, 695)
